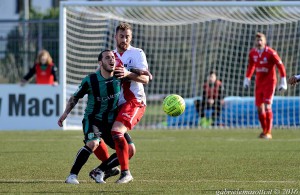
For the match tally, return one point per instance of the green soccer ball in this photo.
(173, 105)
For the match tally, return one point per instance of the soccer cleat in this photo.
(111, 172)
(97, 175)
(125, 177)
(72, 179)
(261, 135)
(267, 136)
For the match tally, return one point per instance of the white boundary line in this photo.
(148, 181)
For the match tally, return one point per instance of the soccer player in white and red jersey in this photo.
(263, 60)
(132, 65)
(132, 99)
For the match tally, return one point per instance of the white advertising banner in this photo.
(31, 107)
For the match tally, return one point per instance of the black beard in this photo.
(107, 69)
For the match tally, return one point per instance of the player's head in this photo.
(260, 40)
(106, 60)
(212, 77)
(44, 57)
(123, 36)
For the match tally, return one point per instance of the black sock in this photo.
(81, 158)
(111, 162)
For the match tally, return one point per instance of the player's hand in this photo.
(283, 84)
(61, 119)
(293, 80)
(246, 83)
(121, 72)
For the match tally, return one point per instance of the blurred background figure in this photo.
(44, 69)
(212, 99)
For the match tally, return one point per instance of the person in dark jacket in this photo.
(212, 97)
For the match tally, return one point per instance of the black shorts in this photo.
(96, 130)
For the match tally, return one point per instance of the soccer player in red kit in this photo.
(263, 60)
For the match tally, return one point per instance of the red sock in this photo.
(121, 146)
(101, 151)
(269, 121)
(263, 121)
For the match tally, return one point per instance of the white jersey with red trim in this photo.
(132, 58)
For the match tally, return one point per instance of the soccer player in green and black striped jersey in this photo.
(103, 90)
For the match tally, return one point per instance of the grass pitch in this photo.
(167, 162)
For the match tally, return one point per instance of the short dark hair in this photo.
(100, 56)
(123, 26)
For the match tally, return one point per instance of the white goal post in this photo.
(183, 41)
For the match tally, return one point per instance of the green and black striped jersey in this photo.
(103, 96)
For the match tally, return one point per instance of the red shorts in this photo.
(130, 113)
(264, 95)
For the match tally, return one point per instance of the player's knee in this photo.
(116, 135)
(260, 109)
(131, 150)
(93, 144)
(268, 107)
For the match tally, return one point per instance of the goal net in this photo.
(183, 41)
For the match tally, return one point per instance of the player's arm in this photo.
(142, 76)
(70, 105)
(144, 79)
(249, 72)
(28, 75)
(139, 73)
(282, 72)
(81, 91)
(132, 74)
(54, 73)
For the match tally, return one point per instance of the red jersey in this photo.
(264, 65)
(213, 91)
(44, 76)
